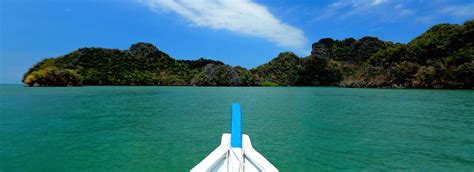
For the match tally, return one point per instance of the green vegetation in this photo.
(282, 70)
(442, 57)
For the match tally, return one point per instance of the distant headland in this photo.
(442, 57)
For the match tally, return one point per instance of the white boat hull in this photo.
(227, 158)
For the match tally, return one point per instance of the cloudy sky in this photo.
(239, 32)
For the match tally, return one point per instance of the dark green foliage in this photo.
(348, 50)
(319, 71)
(390, 55)
(323, 48)
(141, 64)
(246, 77)
(282, 70)
(199, 63)
(442, 57)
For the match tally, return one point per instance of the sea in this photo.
(138, 128)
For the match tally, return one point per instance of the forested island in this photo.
(442, 57)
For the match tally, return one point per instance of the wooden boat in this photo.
(235, 153)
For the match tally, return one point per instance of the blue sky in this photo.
(238, 32)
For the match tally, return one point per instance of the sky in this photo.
(246, 33)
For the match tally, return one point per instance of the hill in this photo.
(442, 57)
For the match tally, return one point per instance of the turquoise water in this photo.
(174, 128)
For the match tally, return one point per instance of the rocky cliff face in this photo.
(217, 75)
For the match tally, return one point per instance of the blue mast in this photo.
(236, 127)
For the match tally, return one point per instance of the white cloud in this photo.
(347, 8)
(240, 16)
(425, 19)
(378, 2)
(365, 4)
(426, 12)
(402, 11)
(459, 10)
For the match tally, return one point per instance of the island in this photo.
(441, 57)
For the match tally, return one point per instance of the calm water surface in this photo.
(174, 128)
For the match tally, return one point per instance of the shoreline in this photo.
(294, 86)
